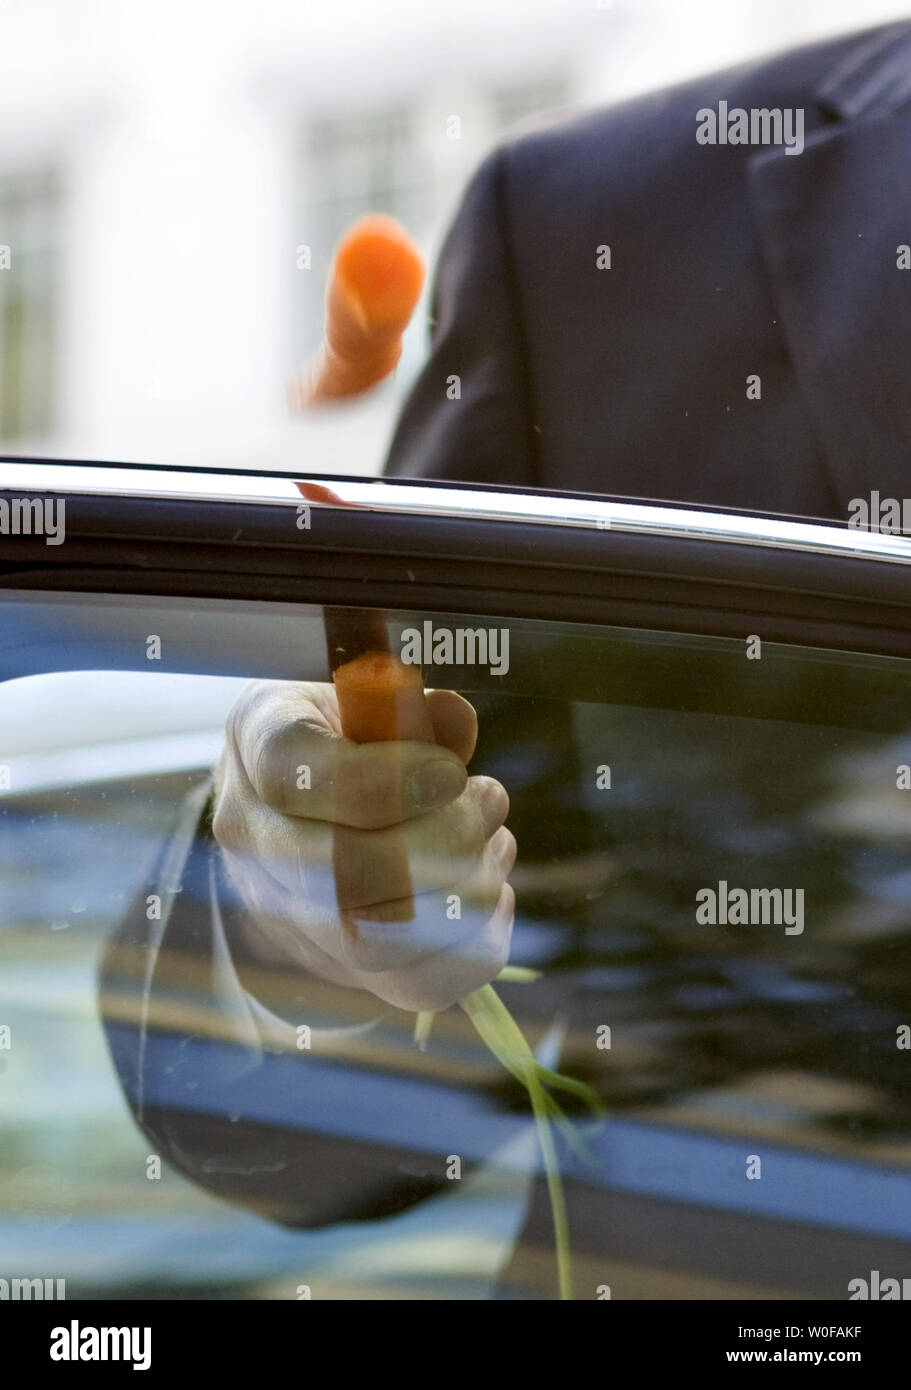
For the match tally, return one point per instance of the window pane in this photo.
(711, 878)
(29, 222)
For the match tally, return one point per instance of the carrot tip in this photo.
(380, 271)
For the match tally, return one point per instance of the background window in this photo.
(354, 165)
(29, 220)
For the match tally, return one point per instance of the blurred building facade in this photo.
(175, 173)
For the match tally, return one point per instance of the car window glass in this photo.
(711, 876)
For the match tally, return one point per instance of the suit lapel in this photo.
(830, 223)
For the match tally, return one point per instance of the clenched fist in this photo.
(381, 866)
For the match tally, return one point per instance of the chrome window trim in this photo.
(436, 499)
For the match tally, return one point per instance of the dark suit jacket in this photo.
(726, 260)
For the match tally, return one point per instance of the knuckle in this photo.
(499, 933)
(465, 834)
(242, 709)
(505, 848)
(492, 800)
(226, 823)
(274, 765)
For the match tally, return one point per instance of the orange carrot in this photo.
(374, 285)
(379, 699)
(318, 492)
